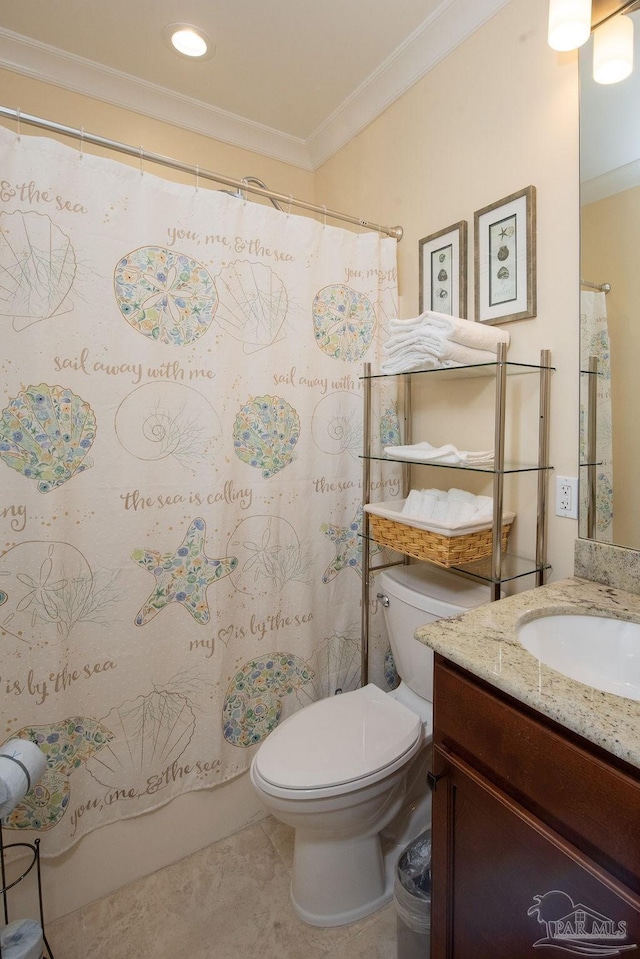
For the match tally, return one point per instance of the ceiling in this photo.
(293, 79)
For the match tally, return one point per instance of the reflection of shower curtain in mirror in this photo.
(180, 482)
(594, 341)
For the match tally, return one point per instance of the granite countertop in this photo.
(483, 641)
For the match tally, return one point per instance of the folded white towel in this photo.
(413, 504)
(414, 360)
(465, 355)
(435, 340)
(429, 340)
(449, 454)
(477, 336)
(450, 509)
(438, 322)
(428, 352)
(463, 496)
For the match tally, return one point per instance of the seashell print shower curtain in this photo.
(180, 482)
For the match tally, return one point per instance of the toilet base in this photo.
(359, 880)
(335, 883)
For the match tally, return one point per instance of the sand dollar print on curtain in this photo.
(180, 426)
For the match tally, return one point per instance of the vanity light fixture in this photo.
(613, 50)
(569, 23)
(188, 41)
(570, 27)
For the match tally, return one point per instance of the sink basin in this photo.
(596, 650)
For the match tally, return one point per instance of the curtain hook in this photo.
(324, 210)
(197, 177)
(18, 123)
(141, 159)
(290, 202)
(81, 142)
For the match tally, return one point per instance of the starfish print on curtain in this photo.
(182, 577)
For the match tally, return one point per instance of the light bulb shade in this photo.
(613, 50)
(189, 42)
(569, 23)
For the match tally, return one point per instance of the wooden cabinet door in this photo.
(505, 886)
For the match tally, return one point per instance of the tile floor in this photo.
(228, 901)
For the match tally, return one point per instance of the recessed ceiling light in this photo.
(188, 41)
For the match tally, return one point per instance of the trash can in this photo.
(412, 894)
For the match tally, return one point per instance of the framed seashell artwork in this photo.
(443, 271)
(505, 258)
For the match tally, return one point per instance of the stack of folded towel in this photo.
(449, 454)
(450, 509)
(435, 340)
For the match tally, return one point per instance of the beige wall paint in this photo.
(80, 112)
(610, 237)
(498, 114)
(501, 112)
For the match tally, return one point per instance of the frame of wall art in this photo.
(505, 258)
(443, 271)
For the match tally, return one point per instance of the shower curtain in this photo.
(180, 482)
(594, 341)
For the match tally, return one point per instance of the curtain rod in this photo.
(392, 231)
(602, 287)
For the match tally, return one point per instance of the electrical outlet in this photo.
(567, 496)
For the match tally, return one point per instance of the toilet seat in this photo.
(339, 744)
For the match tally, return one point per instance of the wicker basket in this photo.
(434, 547)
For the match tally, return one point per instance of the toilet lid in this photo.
(338, 740)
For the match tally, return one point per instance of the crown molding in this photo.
(451, 23)
(42, 62)
(449, 26)
(623, 178)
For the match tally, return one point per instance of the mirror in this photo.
(610, 322)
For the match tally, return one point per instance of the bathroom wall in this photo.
(74, 110)
(500, 113)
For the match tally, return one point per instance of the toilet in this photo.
(348, 772)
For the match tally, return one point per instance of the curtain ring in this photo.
(18, 123)
(141, 159)
(81, 142)
(197, 177)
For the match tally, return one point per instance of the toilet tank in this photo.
(413, 596)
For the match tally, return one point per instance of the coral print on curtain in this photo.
(180, 483)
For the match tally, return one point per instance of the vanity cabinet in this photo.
(536, 832)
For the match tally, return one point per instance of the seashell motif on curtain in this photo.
(253, 703)
(165, 295)
(149, 733)
(169, 421)
(38, 267)
(46, 433)
(265, 434)
(253, 304)
(50, 589)
(344, 322)
(67, 744)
